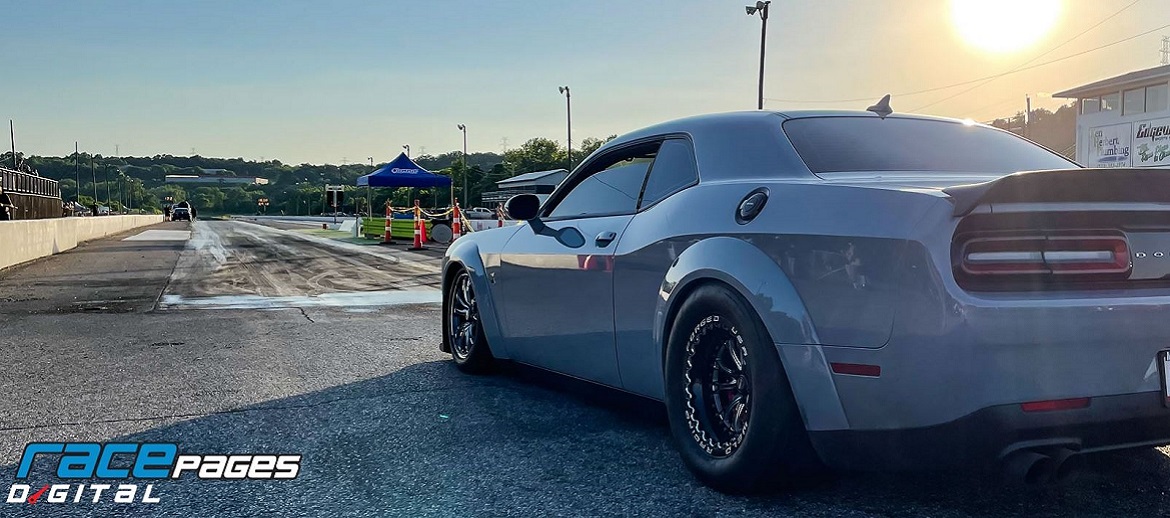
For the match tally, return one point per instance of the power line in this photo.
(1024, 64)
(976, 80)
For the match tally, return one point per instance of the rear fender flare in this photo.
(759, 280)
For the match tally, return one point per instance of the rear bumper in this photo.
(985, 436)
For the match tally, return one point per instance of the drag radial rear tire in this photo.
(730, 407)
(469, 347)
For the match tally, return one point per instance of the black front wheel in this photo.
(469, 347)
(731, 410)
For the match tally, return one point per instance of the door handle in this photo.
(605, 238)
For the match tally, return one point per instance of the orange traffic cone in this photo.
(422, 223)
(456, 223)
(387, 239)
(417, 228)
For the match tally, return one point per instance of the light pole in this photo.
(464, 130)
(370, 192)
(76, 173)
(93, 173)
(407, 148)
(569, 123)
(762, 8)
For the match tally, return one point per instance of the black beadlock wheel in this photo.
(469, 347)
(731, 410)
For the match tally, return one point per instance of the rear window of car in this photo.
(854, 144)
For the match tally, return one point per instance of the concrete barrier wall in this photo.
(25, 240)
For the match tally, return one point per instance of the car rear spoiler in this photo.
(1131, 185)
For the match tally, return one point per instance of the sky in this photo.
(340, 81)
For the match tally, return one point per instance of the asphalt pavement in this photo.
(241, 338)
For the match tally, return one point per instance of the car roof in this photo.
(744, 144)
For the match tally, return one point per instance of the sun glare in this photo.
(1004, 25)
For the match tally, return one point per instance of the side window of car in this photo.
(613, 189)
(674, 168)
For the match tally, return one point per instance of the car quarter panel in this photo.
(479, 253)
(693, 236)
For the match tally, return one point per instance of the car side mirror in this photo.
(523, 207)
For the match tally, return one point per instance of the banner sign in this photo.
(1109, 146)
(1151, 143)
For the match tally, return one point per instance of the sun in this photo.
(1002, 26)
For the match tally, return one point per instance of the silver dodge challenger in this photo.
(841, 290)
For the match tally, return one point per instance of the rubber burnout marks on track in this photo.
(235, 265)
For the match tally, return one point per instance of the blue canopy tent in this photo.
(401, 172)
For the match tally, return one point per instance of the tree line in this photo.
(1055, 130)
(139, 182)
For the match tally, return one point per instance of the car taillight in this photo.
(1045, 255)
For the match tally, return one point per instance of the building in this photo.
(1124, 121)
(540, 183)
(213, 180)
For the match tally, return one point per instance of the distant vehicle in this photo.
(479, 213)
(183, 211)
(845, 289)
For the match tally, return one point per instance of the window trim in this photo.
(1120, 105)
(1096, 100)
(1164, 107)
(1140, 94)
(579, 175)
(646, 181)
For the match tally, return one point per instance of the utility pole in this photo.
(1027, 116)
(569, 123)
(12, 133)
(108, 188)
(1165, 50)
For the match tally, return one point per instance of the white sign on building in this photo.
(1109, 146)
(1124, 121)
(1151, 143)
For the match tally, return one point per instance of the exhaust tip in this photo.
(1067, 466)
(1029, 468)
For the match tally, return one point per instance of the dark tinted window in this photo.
(673, 169)
(834, 144)
(610, 191)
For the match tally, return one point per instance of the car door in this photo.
(556, 275)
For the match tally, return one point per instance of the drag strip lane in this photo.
(237, 265)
